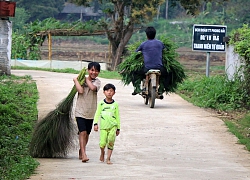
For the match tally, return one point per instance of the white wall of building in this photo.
(233, 63)
(5, 46)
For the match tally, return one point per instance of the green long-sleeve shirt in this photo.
(107, 114)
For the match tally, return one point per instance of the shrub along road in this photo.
(174, 140)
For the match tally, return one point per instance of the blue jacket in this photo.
(152, 53)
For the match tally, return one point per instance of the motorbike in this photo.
(150, 86)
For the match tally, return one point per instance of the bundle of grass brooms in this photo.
(53, 135)
(134, 61)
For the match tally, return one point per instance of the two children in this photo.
(87, 111)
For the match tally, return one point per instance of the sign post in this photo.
(209, 38)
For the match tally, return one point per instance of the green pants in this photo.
(107, 137)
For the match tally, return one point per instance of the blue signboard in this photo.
(209, 38)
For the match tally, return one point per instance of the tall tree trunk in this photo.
(118, 51)
(158, 11)
(166, 15)
(5, 47)
(120, 37)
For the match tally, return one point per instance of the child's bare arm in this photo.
(96, 127)
(90, 84)
(117, 132)
(79, 88)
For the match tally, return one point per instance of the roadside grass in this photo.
(223, 97)
(240, 128)
(218, 68)
(103, 74)
(216, 92)
(18, 113)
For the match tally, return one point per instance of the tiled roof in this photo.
(72, 8)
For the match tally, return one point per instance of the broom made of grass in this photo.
(53, 135)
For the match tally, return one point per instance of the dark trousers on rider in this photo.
(137, 76)
(165, 78)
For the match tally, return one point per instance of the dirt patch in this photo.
(75, 51)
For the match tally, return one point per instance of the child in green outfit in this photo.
(108, 114)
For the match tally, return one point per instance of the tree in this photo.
(193, 6)
(123, 18)
(41, 9)
(21, 17)
(170, 12)
(237, 12)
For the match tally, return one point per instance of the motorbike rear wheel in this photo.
(146, 100)
(145, 96)
(151, 95)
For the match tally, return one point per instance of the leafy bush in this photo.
(240, 39)
(215, 92)
(18, 113)
(26, 42)
(24, 47)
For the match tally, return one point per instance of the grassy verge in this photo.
(223, 97)
(240, 127)
(103, 73)
(18, 114)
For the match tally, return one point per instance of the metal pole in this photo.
(208, 64)
(50, 49)
(50, 45)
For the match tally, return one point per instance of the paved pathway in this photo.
(175, 140)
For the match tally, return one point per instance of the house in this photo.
(72, 12)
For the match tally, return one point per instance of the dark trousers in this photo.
(165, 78)
(136, 78)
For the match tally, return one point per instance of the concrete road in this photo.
(174, 140)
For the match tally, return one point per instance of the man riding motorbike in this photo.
(152, 54)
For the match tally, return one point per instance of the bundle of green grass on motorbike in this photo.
(134, 61)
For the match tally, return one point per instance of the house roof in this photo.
(70, 8)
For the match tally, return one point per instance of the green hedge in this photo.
(18, 114)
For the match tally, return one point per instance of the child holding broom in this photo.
(108, 114)
(86, 105)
